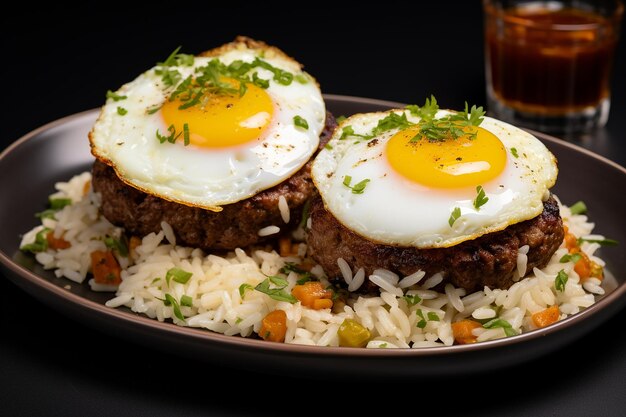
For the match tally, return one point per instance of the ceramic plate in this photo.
(30, 167)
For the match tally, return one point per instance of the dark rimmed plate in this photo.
(30, 167)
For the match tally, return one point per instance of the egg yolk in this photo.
(222, 120)
(450, 163)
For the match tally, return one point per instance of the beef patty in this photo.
(486, 261)
(237, 225)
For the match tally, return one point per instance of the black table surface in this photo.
(54, 66)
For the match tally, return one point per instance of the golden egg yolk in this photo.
(222, 120)
(450, 163)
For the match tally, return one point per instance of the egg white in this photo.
(201, 177)
(396, 211)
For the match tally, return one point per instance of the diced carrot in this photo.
(132, 245)
(57, 243)
(306, 265)
(285, 247)
(105, 268)
(462, 331)
(585, 267)
(322, 303)
(582, 267)
(86, 187)
(571, 242)
(312, 294)
(274, 326)
(546, 317)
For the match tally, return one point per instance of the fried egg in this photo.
(397, 190)
(212, 130)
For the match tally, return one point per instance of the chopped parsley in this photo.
(305, 276)
(574, 257)
(40, 244)
(383, 345)
(432, 316)
(340, 119)
(456, 213)
(560, 280)
(177, 59)
(451, 126)
(481, 198)
(357, 188)
(601, 242)
(277, 292)
(300, 122)
(514, 152)
(500, 323)
(217, 78)
(118, 245)
(328, 146)
(348, 131)
(121, 111)
(114, 96)
(178, 275)
(412, 300)
(578, 208)
(391, 121)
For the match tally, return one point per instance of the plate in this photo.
(60, 149)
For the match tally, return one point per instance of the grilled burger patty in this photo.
(237, 225)
(486, 261)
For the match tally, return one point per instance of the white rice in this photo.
(407, 313)
(345, 269)
(284, 209)
(269, 230)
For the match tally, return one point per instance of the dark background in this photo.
(54, 65)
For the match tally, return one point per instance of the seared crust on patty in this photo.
(237, 225)
(486, 261)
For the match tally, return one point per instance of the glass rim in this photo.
(491, 9)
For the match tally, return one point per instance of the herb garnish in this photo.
(118, 245)
(186, 301)
(456, 213)
(500, 323)
(115, 96)
(357, 188)
(560, 280)
(514, 152)
(481, 198)
(186, 134)
(56, 204)
(574, 257)
(277, 292)
(430, 316)
(171, 301)
(578, 208)
(217, 78)
(178, 275)
(412, 300)
(300, 122)
(451, 126)
(601, 242)
(171, 138)
(243, 288)
(40, 244)
(305, 276)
